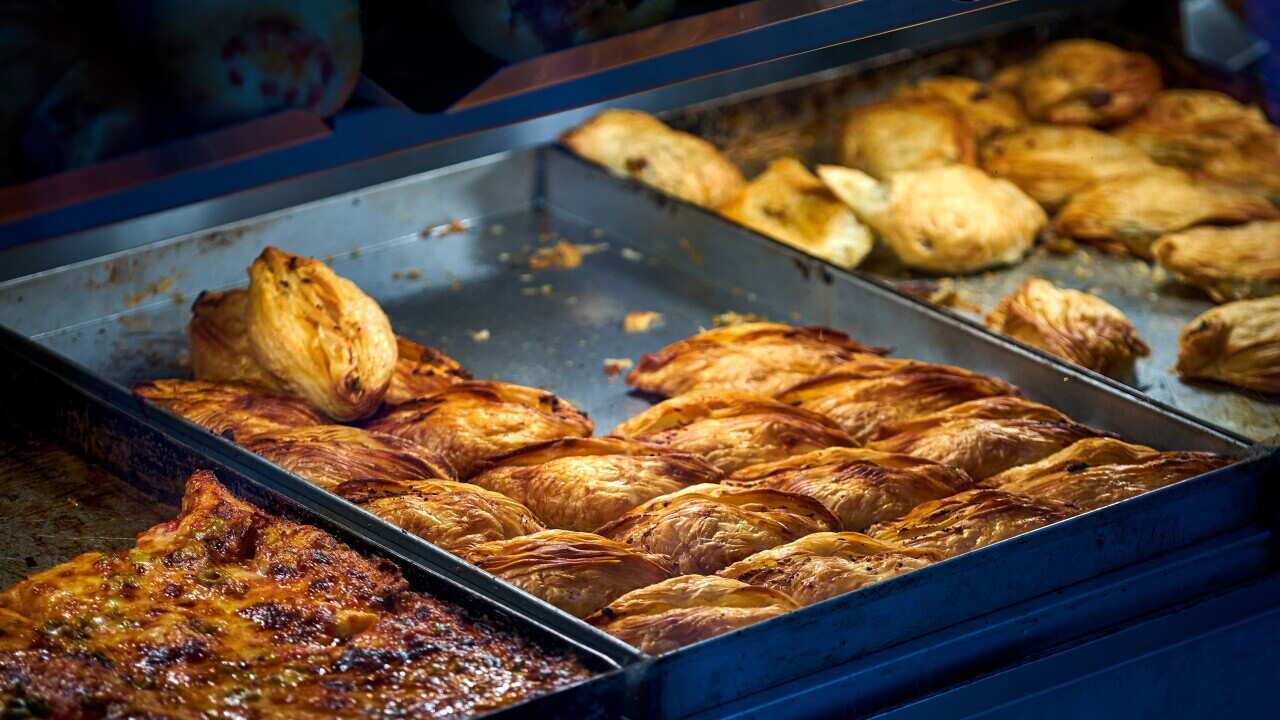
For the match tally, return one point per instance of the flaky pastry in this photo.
(234, 410)
(219, 336)
(578, 572)
(1087, 82)
(905, 134)
(329, 455)
(985, 109)
(1076, 326)
(1093, 487)
(1087, 453)
(635, 144)
(789, 204)
(953, 219)
(583, 483)
(421, 370)
(970, 520)
(319, 335)
(1229, 263)
(1237, 343)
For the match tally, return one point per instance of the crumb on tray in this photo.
(639, 321)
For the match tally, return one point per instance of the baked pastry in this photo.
(860, 487)
(318, 335)
(233, 410)
(637, 145)
(686, 609)
(1052, 163)
(949, 220)
(1085, 454)
(824, 565)
(986, 110)
(1130, 213)
(578, 572)
(470, 422)
(859, 405)
(1090, 488)
(1087, 82)
(421, 370)
(757, 357)
(704, 528)
(790, 205)
(905, 134)
(981, 446)
(1078, 327)
(329, 455)
(453, 515)
(219, 336)
(1237, 343)
(970, 520)
(583, 483)
(1229, 263)
(1003, 407)
(733, 430)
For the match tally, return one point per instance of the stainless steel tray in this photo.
(446, 253)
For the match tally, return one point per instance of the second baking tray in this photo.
(446, 254)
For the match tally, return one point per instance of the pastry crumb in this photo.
(614, 366)
(479, 335)
(631, 255)
(639, 321)
(726, 319)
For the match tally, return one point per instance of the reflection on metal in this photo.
(1214, 34)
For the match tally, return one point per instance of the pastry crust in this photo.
(859, 405)
(578, 572)
(1229, 263)
(1087, 82)
(985, 109)
(824, 565)
(733, 430)
(905, 134)
(860, 487)
(637, 145)
(949, 220)
(970, 520)
(233, 410)
(1130, 213)
(219, 336)
(1090, 488)
(704, 528)
(453, 515)
(329, 455)
(474, 421)
(1087, 453)
(319, 335)
(789, 204)
(1077, 327)
(420, 371)
(760, 357)
(1237, 343)
(1052, 163)
(583, 483)
(686, 609)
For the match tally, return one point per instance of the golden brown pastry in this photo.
(453, 515)
(1078, 327)
(329, 455)
(1130, 213)
(986, 110)
(789, 204)
(733, 430)
(219, 335)
(1087, 82)
(1004, 407)
(970, 520)
(318, 335)
(859, 405)
(824, 565)
(635, 144)
(583, 483)
(232, 410)
(1229, 263)
(1052, 163)
(1254, 167)
(704, 528)
(1237, 343)
(1087, 453)
(421, 370)
(758, 357)
(1090, 488)
(474, 421)
(683, 610)
(860, 487)
(981, 446)
(578, 572)
(953, 219)
(905, 134)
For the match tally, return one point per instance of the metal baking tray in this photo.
(445, 253)
(58, 505)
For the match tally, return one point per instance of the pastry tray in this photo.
(446, 253)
